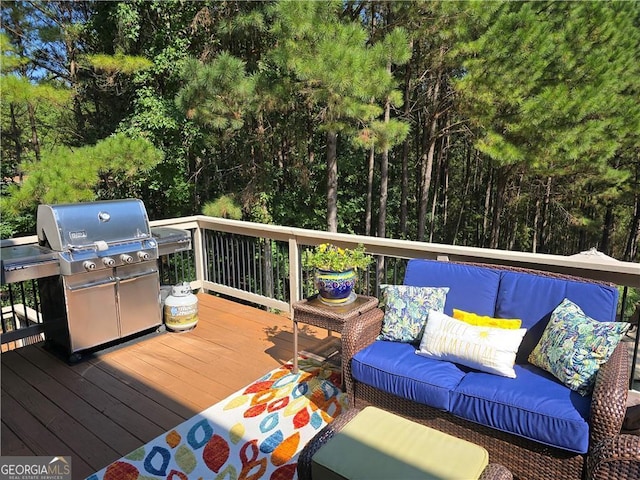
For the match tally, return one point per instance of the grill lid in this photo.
(80, 225)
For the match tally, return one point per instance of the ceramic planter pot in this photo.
(336, 288)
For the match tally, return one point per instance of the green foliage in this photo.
(21, 90)
(631, 304)
(238, 97)
(223, 207)
(331, 257)
(216, 94)
(259, 211)
(546, 82)
(330, 58)
(382, 135)
(10, 59)
(118, 63)
(67, 175)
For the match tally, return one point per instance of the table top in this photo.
(315, 306)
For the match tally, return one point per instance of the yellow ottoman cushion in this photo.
(380, 445)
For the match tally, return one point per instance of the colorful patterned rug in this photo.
(255, 433)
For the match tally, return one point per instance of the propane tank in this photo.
(181, 309)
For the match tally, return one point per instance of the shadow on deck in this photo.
(118, 399)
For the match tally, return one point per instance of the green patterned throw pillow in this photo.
(573, 346)
(406, 309)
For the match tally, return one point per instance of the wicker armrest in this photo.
(609, 399)
(355, 336)
(616, 458)
(495, 471)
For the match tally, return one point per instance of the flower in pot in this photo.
(335, 271)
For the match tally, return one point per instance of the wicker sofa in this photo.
(377, 374)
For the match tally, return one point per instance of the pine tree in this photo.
(547, 85)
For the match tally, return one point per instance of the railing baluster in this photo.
(222, 260)
(4, 324)
(249, 284)
(14, 316)
(36, 301)
(23, 297)
(216, 257)
(258, 263)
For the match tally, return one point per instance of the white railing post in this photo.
(294, 273)
(294, 293)
(200, 253)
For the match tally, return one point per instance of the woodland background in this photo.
(512, 125)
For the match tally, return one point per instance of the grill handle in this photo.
(99, 283)
(153, 271)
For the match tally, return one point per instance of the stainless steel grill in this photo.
(108, 287)
(96, 235)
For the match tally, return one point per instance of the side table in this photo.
(332, 317)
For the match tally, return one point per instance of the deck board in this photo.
(69, 429)
(117, 399)
(12, 444)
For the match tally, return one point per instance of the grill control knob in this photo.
(108, 262)
(89, 265)
(143, 256)
(126, 258)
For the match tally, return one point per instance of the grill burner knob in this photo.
(143, 256)
(89, 265)
(126, 258)
(108, 262)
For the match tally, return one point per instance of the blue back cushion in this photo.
(473, 289)
(533, 297)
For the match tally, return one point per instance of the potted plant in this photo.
(335, 271)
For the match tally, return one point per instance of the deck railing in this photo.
(260, 264)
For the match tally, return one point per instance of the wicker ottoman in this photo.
(374, 444)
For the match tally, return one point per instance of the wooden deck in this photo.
(116, 400)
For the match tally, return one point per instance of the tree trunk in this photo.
(16, 133)
(501, 186)
(332, 182)
(384, 179)
(544, 218)
(425, 180)
(487, 208)
(607, 229)
(536, 221)
(434, 198)
(631, 246)
(429, 148)
(368, 212)
(465, 195)
(404, 192)
(35, 142)
(384, 188)
(513, 232)
(445, 175)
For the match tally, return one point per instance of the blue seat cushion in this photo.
(471, 288)
(395, 368)
(533, 405)
(532, 298)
